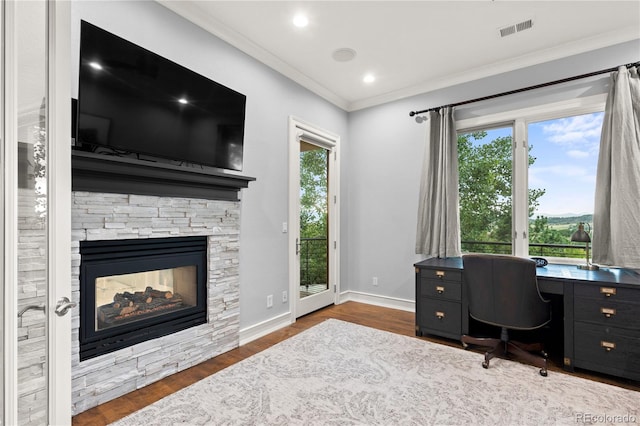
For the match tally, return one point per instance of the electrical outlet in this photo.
(374, 281)
(270, 301)
(284, 297)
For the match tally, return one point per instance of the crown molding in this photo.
(199, 16)
(193, 13)
(557, 52)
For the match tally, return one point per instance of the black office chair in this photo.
(503, 291)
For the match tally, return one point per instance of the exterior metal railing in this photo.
(313, 255)
(535, 249)
(313, 261)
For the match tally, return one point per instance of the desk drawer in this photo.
(606, 292)
(441, 316)
(441, 274)
(607, 349)
(608, 312)
(451, 290)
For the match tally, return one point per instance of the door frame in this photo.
(302, 130)
(59, 226)
(9, 158)
(58, 329)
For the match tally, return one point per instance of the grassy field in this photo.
(569, 220)
(562, 226)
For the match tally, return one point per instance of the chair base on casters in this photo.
(504, 345)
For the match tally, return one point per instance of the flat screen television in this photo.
(132, 101)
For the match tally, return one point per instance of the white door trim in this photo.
(59, 226)
(10, 218)
(59, 212)
(302, 130)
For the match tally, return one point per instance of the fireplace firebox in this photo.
(139, 289)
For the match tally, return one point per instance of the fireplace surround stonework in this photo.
(111, 216)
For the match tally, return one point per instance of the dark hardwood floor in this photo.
(391, 320)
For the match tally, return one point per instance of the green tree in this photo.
(313, 216)
(486, 187)
(541, 232)
(313, 193)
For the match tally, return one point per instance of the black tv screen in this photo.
(133, 101)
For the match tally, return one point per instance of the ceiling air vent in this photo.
(516, 28)
(511, 29)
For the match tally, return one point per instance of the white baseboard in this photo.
(256, 331)
(375, 299)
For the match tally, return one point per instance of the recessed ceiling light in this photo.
(95, 65)
(369, 78)
(183, 101)
(344, 54)
(300, 21)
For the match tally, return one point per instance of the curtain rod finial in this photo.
(412, 113)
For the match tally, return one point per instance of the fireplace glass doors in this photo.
(136, 290)
(122, 299)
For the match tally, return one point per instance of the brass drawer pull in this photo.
(440, 289)
(439, 315)
(608, 346)
(608, 291)
(608, 312)
(440, 274)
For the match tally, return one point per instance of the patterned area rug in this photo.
(339, 373)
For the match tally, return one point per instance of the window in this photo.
(562, 178)
(527, 184)
(485, 165)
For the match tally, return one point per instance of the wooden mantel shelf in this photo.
(112, 174)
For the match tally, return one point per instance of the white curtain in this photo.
(616, 218)
(438, 230)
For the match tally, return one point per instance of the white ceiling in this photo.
(410, 46)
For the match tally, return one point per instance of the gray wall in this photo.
(271, 98)
(385, 158)
(381, 150)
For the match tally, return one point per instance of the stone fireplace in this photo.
(152, 216)
(135, 290)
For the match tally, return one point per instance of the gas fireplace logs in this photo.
(139, 304)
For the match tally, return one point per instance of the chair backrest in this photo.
(503, 291)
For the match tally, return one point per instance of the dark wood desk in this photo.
(601, 324)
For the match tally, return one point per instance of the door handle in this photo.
(28, 308)
(63, 306)
(297, 246)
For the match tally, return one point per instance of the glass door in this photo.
(313, 245)
(31, 142)
(313, 217)
(36, 255)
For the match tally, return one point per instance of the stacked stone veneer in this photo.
(101, 216)
(32, 291)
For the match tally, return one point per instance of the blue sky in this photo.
(566, 152)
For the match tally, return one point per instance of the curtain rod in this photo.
(537, 86)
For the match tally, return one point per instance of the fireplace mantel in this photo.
(112, 174)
